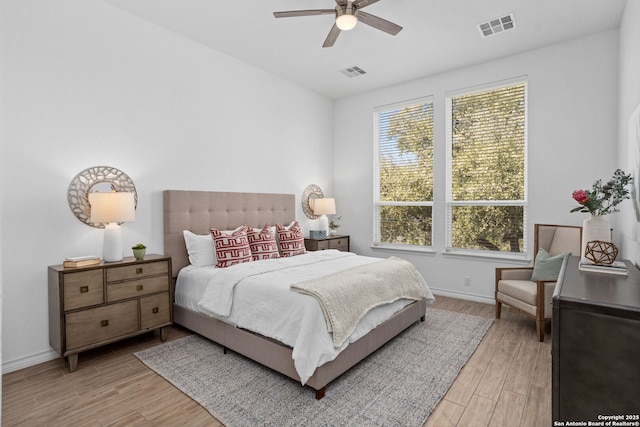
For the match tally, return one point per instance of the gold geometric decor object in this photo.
(601, 252)
(96, 179)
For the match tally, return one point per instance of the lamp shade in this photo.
(324, 206)
(112, 207)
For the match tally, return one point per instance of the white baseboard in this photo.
(464, 296)
(25, 362)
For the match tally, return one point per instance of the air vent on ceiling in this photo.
(497, 25)
(354, 71)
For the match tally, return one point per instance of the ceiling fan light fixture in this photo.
(347, 13)
(346, 21)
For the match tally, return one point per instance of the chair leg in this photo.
(540, 309)
(498, 309)
(540, 329)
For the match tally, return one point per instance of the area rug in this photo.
(398, 385)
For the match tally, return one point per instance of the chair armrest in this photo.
(543, 299)
(514, 273)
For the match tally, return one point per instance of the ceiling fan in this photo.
(347, 14)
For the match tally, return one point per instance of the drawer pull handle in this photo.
(139, 288)
(84, 289)
(155, 310)
(104, 323)
(139, 270)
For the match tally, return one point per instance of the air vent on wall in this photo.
(497, 25)
(354, 71)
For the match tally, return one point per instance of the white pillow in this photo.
(200, 248)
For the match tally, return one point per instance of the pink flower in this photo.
(580, 196)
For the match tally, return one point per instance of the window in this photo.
(486, 169)
(403, 182)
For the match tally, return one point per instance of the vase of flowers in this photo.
(334, 224)
(602, 199)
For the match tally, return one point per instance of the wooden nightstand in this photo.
(339, 242)
(100, 304)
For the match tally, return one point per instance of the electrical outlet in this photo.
(467, 281)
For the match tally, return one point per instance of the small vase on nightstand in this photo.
(139, 251)
(596, 227)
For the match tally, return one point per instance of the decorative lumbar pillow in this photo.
(231, 248)
(547, 267)
(200, 249)
(290, 239)
(262, 243)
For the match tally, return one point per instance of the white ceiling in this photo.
(438, 35)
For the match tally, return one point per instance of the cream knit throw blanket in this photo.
(346, 296)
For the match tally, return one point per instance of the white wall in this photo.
(629, 99)
(572, 142)
(86, 84)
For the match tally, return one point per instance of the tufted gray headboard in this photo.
(198, 211)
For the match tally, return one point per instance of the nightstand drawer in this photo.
(154, 311)
(135, 288)
(340, 244)
(322, 245)
(135, 271)
(83, 289)
(92, 326)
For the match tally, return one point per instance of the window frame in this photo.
(450, 204)
(377, 203)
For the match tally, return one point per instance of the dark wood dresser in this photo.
(596, 345)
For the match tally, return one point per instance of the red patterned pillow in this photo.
(262, 243)
(231, 248)
(290, 239)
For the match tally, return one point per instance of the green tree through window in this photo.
(485, 164)
(404, 169)
(486, 198)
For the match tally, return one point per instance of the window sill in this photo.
(520, 259)
(490, 256)
(404, 248)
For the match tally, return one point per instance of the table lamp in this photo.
(112, 208)
(323, 207)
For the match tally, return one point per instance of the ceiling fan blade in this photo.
(359, 4)
(293, 13)
(379, 23)
(332, 36)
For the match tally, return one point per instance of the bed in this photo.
(198, 212)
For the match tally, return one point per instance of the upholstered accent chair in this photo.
(518, 288)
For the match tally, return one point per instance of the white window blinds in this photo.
(486, 169)
(403, 165)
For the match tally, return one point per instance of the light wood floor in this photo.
(507, 382)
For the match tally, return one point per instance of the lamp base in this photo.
(323, 224)
(112, 248)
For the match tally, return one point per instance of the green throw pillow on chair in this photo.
(547, 267)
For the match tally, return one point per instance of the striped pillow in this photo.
(290, 239)
(262, 243)
(231, 248)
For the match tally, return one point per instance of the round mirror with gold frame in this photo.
(310, 193)
(96, 179)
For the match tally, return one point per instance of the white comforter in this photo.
(257, 296)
